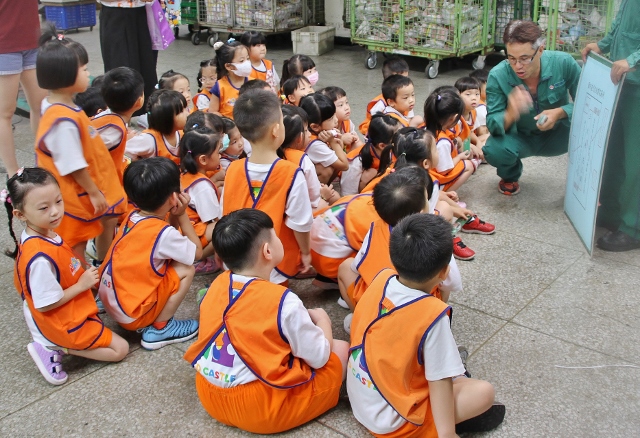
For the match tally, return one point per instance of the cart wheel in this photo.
(478, 63)
(372, 61)
(91, 28)
(432, 69)
(176, 32)
(213, 37)
(190, 27)
(195, 38)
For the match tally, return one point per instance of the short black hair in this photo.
(228, 125)
(121, 88)
(199, 119)
(90, 101)
(253, 84)
(318, 108)
(255, 112)
(333, 93)
(394, 65)
(239, 235)
(253, 38)
(293, 83)
(442, 103)
(481, 75)
(294, 119)
(169, 78)
(200, 141)
(59, 59)
(466, 83)
(400, 194)
(421, 246)
(163, 106)
(150, 182)
(392, 84)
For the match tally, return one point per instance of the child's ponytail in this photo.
(6, 199)
(294, 120)
(59, 59)
(381, 130)
(200, 141)
(441, 104)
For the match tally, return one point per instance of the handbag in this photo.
(159, 28)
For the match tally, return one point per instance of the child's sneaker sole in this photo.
(43, 368)
(158, 345)
(486, 421)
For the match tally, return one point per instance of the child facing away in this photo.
(393, 65)
(233, 68)
(399, 95)
(71, 149)
(299, 65)
(324, 148)
(91, 100)
(269, 371)
(149, 268)
(469, 89)
(295, 88)
(266, 182)
(416, 387)
(55, 288)
(168, 114)
(262, 68)
(482, 76)
(206, 80)
(200, 154)
(346, 128)
(172, 80)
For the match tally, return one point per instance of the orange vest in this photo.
(266, 75)
(374, 182)
(129, 263)
(187, 180)
(461, 130)
(228, 96)
(403, 121)
(112, 120)
(396, 368)
(295, 156)
(100, 165)
(256, 338)
(447, 179)
(364, 126)
(269, 196)
(354, 153)
(358, 213)
(345, 126)
(375, 259)
(203, 92)
(58, 323)
(161, 148)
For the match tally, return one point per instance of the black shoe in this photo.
(488, 420)
(617, 241)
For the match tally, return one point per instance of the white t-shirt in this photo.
(481, 116)
(43, 281)
(321, 153)
(111, 136)
(311, 177)
(64, 144)
(143, 145)
(441, 361)
(390, 110)
(445, 161)
(204, 200)
(380, 106)
(350, 179)
(202, 102)
(307, 342)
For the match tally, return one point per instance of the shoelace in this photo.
(461, 244)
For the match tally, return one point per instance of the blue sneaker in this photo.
(175, 331)
(101, 308)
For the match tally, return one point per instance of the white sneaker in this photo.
(347, 323)
(91, 249)
(342, 303)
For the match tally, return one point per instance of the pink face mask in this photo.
(313, 78)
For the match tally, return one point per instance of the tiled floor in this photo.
(555, 330)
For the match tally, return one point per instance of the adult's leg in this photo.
(612, 176)
(8, 95)
(504, 153)
(34, 95)
(551, 143)
(147, 58)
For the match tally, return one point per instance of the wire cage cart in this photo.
(434, 29)
(508, 10)
(267, 16)
(572, 24)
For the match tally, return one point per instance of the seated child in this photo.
(482, 76)
(91, 100)
(58, 305)
(262, 68)
(346, 128)
(365, 161)
(149, 267)
(199, 154)
(469, 89)
(324, 148)
(233, 144)
(172, 80)
(299, 65)
(265, 182)
(168, 113)
(295, 88)
(267, 371)
(233, 68)
(416, 387)
(400, 97)
(201, 119)
(393, 65)
(206, 80)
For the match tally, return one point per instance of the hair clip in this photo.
(157, 87)
(439, 98)
(20, 172)
(195, 125)
(230, 40)
(60, 37)
(4, 196)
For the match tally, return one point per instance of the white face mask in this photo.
(243, 69)
(313, 78)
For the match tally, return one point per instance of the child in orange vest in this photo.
(393, 65)
(172, 80)
(149, 268)
(399, 95)
(233, 144)
(482, 76)
(71, 149)
(233, 68)
(268, 183)
(295, 88)
(168, 114)
(58, 305)
(199, 154)
(365, 161)
(207, 78)
(469, 89)
(346, 128)
(262, 68)
(299, 65)
(324, 148)
(415, 387)
(266, 371)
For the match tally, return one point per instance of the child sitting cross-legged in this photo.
(263, 371)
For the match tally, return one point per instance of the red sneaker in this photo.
(478, 226)
(509, 188)
(462, 251)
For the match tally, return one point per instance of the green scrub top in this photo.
(559, 77)
(623, 40)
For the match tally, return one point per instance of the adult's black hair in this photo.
(204, 64)
(392, 85)
(59, 59)
(318, 108)
(293, 83)
(296, 65)
(333, 93)
(169, 78)
(163, 106)
(239, 236)
(400, 194)
(420, 247)
(150, 182)
(199, 119)
(201, 141)
(225, 54)
(466, 83)
(91, 101)
(255, 112)
(254, 84)
(381, 130)
(394, 65)
(481, 75)
(441, 104)
(121, 88)
(252, 38)
(295, 121)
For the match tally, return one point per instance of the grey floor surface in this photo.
(554, 330)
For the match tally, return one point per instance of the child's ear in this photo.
(444, 272)
(426, 164)
(315, 127)
(202, 160)
(19, 215)
(275, 130)
(229, 66)
(139, 103)
(266, 251)
(390, 102)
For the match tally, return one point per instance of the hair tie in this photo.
(4, 196)
(60, 37)
(195, 125)
(20, 172)
(230, 40)
(189, 151)
(217, 45)
(439, 98)
(402, 154)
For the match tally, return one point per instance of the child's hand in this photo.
(132, 133)
(452, 195)
(89, 278)
(99, 202)
(327, 193)
(182, 202)
(459, 144)
(462, 212)
(318, 314)
(476, 151)
(325, 136)
(348, 138)
(306, 263)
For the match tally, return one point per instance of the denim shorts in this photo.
(17, 62)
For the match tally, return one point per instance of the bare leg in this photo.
(346, 277)
(445, 210)
(471, 397)
(115, 352)
(8, 94)
(324, 173)
(34, 95)
(341, 349)
(469, 169)
(186, 274)
(103, 241)
(208, 249)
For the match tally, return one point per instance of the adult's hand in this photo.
(553, 115)
(519, 102)
(591, 47)
(618, 69)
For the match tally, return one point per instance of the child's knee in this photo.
(445, 210)
(120, 346)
